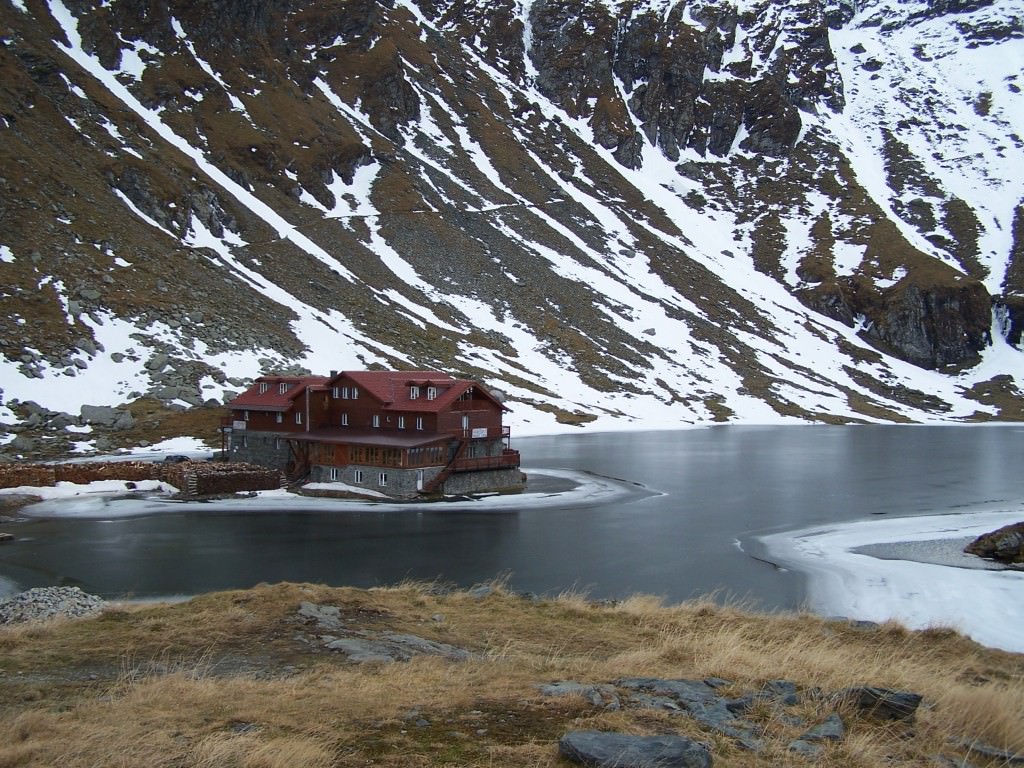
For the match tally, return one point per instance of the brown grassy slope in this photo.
(226, 680)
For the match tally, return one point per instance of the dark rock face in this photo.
(937, 325)
(664, 77)
(930, 325)
(660, 61)
(616, 750)
(1005, 545)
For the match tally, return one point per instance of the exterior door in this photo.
(419, 479)
(465, 425)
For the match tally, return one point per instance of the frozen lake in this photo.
(678, 514)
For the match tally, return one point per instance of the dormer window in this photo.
(282, 387)
(264, 386)
(431, 393)
(414, 392)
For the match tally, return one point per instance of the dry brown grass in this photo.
(223, 681)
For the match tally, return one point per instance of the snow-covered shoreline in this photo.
(857, 570)
(110, 499)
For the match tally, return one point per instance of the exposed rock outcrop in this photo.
(930, 324)
(619, 750)
(1005, 545)
(704, 701)
(330, 630)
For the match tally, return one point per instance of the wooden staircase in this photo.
(446, 472)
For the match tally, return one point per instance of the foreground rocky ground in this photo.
(420, 675)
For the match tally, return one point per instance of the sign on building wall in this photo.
(238, 425)
(479, 432)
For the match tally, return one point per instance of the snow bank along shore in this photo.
(911, 570)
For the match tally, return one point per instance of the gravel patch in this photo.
(44, 603)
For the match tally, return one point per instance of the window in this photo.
(277, 443)
(335, 474)
(431, 393)
(382, 479)
(358, 476)
(298, 417)
(264, 386)
(344, 393)
(355, 393)
(335, 393)
(344, 419)
(401, 422)
(245, 415)
(419, 422)
(279, 417)
(414, 392)
(376, 420)
(282, 387)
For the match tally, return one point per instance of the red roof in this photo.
(265, 393)
(394, 388)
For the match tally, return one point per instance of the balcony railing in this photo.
(507, 459)
(482, 433)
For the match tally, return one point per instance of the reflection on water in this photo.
(714, 487)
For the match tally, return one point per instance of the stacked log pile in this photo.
(31, 475)
(109, 470)
(191, 478)
(213, 479)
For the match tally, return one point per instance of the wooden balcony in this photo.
(507, 459)
(481, 433)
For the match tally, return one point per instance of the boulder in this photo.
(809, 742)
(597, 695)
(101, 415)
(880, 703)
(618, 750)
(1005, 545)
(157, 362)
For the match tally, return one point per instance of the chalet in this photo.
(402, 433)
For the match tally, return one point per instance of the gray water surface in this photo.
(702, 497)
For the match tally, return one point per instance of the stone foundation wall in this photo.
(511, 479)
(263, 448)
(402, 483)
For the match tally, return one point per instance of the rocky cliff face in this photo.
(652, 210)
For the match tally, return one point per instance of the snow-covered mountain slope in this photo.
(621, 213)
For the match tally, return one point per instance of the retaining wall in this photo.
(193, 478)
